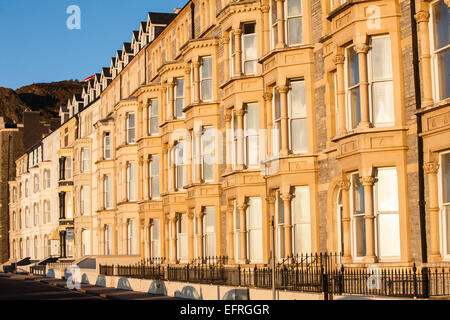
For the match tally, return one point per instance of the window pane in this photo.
(355, 108)
(445, 165)
(210, 219)
(255, 237)
(299, 133)
(298, 99)
(302, 239)
(353, 67)
(255, 213)
(381, 58)
(295, 31)
(441, 19)
(447, 226)
(206, 67)
(389, 235)
(250, 52)
(383, 102)
(387, 190)
(206, 90)
(358, 195)
(360, 234)
(294, 7)
(301, 205)
(443, 67)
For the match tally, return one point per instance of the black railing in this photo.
(318, 273)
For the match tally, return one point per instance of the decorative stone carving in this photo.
(338, 59)
(431, 167)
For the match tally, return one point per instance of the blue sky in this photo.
(36, 45)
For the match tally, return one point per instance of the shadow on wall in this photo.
(101, 281)
(50, 273)
(124, 284)
(158, 287)
(236, 294)
(189, 292)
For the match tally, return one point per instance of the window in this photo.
(444, 197)
(250, 50)
(279, 221)
(276, 114)
(85, 201)
(235, 131)
(380, 82)
(154, 176)
(47, 181)
(340, 223)
(47, 215)
(131, 237)
(131, 128)
(352, 89)
(35, 214)
(232, 52)
(387, 215)
(108, 239)
(107, 192)
(297, 117)
(237, 230)
(36, 247)
(207, 141)
(26, 188)
(274, 23)
(27, 217)
(14, 221)
(179, 98)
(294, 22)
(14, 193)
(107, 146)
(68, 202)
(180, 164)
(251, 131)
(440, 44)
(131, 181)
(153, 117)
(84, 160)
(182, 234)
(68, 169)
(35, 183)
(155, 236)
(85, 242)
(301, 220)
(358, 211)
(254, 229)
(206, 78)
(209, 227)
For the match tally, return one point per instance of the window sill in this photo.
(359, 131)
(241, 77)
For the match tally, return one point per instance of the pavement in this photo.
(26, 287)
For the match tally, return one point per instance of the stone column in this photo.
(284, 121)
(243, 232)
(280, 15)
(196, 65)
(240, 139)
(344, 184)
(230, 234)
(288, 250)
(422, 18)
(173, 220)
(339, 62)
(238, 52)
(228, 143)
(199, 216)
(271, 208)
(369, 217)
(362, 49)
(226, 59)
(170, 109)
(268, 105)
(432, 169)
(187, 83)
(265, 9)
(191, 234)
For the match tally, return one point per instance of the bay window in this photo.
(131, 181)
(154, 176)
(155, 239)
(182, 235)
(440, 49)
(301, 220)
(254, 229)
(131, 128)
(357, 213)
(294, 22)
(107, 184)
(297, 117)
(207, 153)
(107, 146)
(180, 164)
(206, 85)
(387, 214)
(131, 237)
(251, 134)
(209, 227)
(249, 48)
(153, 117)
(179, 98)
(444, 199)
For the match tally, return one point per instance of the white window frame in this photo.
(203, 80)
(155, 241)
(182, 237)
(180, 165)
(107, 186)
(286, 23)
(250, 134)
(206, 153)
(85, 159)
(131, 181)
(209, 235)
(108, 239)
(153, 114)
(131, 237)
(353, 217)
(131, 139)
(292, 118)
(154, 175)
(445, 250)
(273, 24)
(179, 98)
(253, 229)
(107, 146)
(244, 48)
(276, 130)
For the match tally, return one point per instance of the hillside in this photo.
(43, 97)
